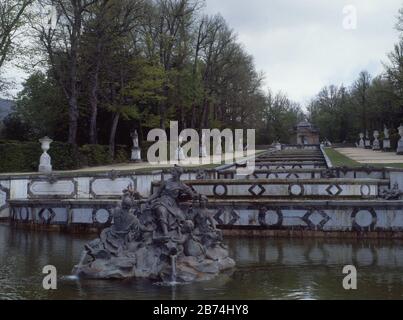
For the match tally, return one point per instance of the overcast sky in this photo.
(301, 45)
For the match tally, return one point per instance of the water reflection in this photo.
(266, 269)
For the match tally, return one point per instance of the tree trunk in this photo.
(163, 108)
(112, 136)
(206, 114)
(193, 119)
(73, 105)
(94, 84)
(73, 119)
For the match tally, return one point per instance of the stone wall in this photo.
(108, 186)
(286, 196)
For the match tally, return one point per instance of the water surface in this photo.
(266, 269)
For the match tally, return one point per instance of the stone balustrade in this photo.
(288, 188)
(77, 186)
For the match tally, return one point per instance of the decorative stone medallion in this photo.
(334, 190)
(220, 190)
(257, 190)
(46, 215)
(296, 190)
(365, 190)
(23, 214)
(271, 217)
(364, 219)
(316, 219)
(219, 217)
(101, 216)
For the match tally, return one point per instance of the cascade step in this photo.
(288, 188)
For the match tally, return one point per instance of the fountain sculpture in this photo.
(154, 238)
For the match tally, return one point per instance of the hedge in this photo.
(24, 156)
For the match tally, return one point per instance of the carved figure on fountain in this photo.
(170, 244)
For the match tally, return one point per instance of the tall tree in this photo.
(108, 20)
(13, 15)
(360, 95)
(62, 44)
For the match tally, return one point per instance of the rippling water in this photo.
(266, 269)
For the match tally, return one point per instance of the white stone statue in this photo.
(45, 164)
(362, 142)
(376, 146)
(136, 151)
(386, 140)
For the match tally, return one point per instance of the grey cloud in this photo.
(301, 45)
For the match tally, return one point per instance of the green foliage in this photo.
(24, 156)
(40, 110)
(280, 116)
(95, 155)
(342, 113)
(122, 154)
(17, 157)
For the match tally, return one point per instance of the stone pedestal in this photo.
(400, 147)
(45, 165)
(400, 143)
(136, 155)
(376, 146)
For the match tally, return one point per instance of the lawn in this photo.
(340, 160)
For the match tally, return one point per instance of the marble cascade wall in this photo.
(280, 201)
(63, 188)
